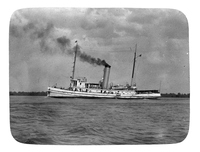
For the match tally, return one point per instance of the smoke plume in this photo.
(87, 58)
(63, 42)
(65, 45)
(44, 34)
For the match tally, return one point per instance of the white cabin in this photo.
(83, 84)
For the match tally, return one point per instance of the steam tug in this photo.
(80, 88)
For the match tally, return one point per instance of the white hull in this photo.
(56, 92)
(141, 96)
(64, 93)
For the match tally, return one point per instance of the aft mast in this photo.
(134, 60)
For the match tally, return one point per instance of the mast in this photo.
(73, 71)
(134, 60)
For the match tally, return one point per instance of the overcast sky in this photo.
(42, 42)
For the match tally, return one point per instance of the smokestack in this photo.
(106, 75)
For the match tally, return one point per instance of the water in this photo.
(43, 120)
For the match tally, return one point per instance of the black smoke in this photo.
(87, 58)
(65, 45)
(64, 42)
(43, 34)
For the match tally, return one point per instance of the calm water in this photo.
(43, 120)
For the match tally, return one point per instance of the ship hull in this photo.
(143, 96)
(65, 93)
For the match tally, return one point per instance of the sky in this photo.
(42, 42)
